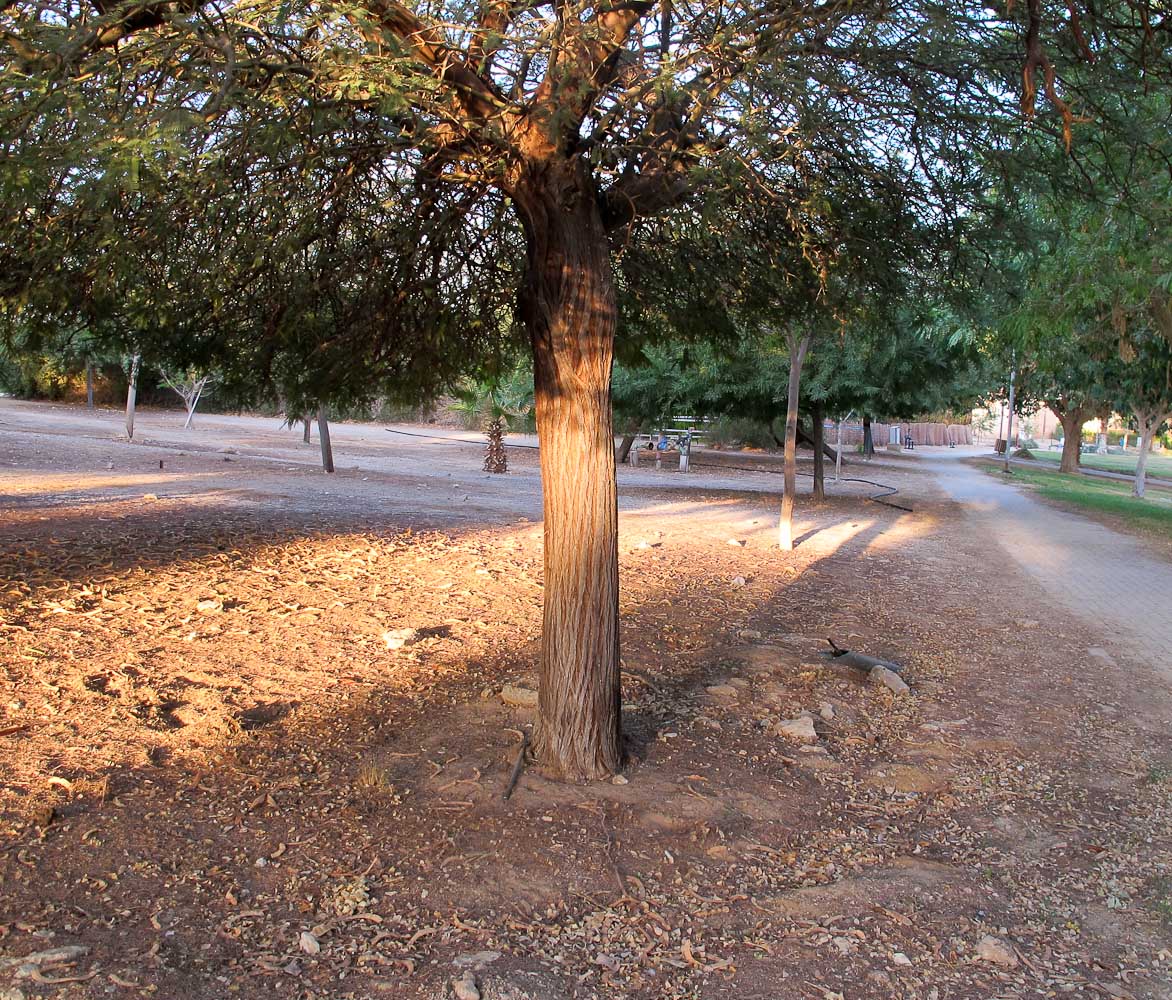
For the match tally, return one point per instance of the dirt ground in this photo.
(217, 780)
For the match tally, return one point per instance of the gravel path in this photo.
(1099, 574)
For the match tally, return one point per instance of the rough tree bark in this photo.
(496, 459)
(568, 305)
(868, 440)
(306, 430)
(819, 457)
(785, 526)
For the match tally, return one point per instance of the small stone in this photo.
(150, 496)
(994, 950)
(845, 945)
(899, 958)
(519, 697)
(801, 729)
(707, 722)
(644, 544)
(309, 944)
(814, 749)
(737, 582)
(749, 633)
(826, 710)
(607, 961)
(476, 959)
(738, 542)
(722, 690)
(399, 637)
(890, 680)
(465, 987)
(210, 606)
(227, 451)
(619, 779)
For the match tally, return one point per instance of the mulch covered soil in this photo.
(218, 778)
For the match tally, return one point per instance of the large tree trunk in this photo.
(785, 526)
(1072, 421)
(568, 305)
(819, 458)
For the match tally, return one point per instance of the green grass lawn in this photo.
(1158, 465)
(1109, 498)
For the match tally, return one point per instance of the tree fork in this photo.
(568, 305)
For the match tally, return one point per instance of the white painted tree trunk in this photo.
(131, 397)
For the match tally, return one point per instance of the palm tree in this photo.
(491, 404)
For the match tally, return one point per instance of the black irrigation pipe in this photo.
(890, 490)
(878, 497)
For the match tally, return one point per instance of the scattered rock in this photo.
(399, 637)
(65, 953)
(227, 451)
(707, 722)
(309, 944)
(845, 945)
(475, 960)
(739, 542)
(722, 690)
(519, 697)
(826, 710)
(749, 633)
(465, 987)
(801, 729)
(619, 779)
(993, 949)
(899, 958)
(737, 582)
(890, 680)
(607, 961)
(644, 544)
(210, 606)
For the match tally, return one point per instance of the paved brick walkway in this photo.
(1097, 573)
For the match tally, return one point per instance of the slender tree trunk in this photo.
(568, 305)
(624, 448)
(306, 430)
(819, 458)
(868, 440)
(1147, 430)
(131, 397)
(323, 432)
(785, 527)
(89, 385)
(194, 404)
